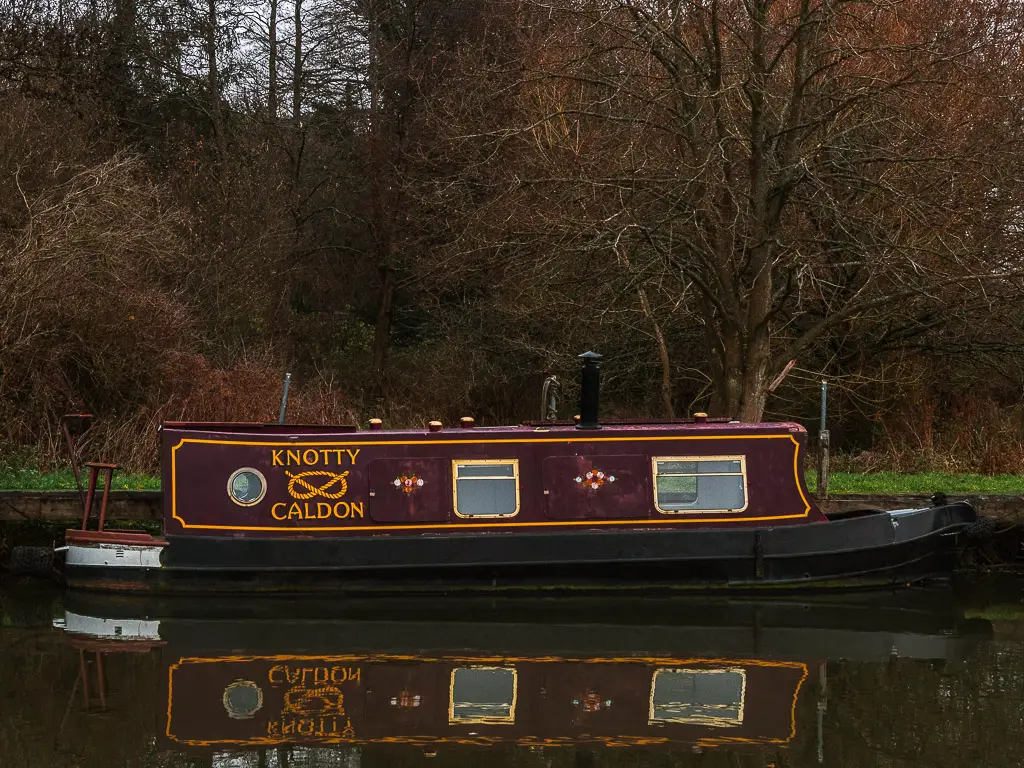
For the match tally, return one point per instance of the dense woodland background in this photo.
(422, 208)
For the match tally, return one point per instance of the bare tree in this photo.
(782, 160)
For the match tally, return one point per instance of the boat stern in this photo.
(111, 559)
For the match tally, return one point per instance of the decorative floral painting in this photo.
(594, 479)
(408, 483)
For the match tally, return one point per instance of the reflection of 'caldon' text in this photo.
(293, 675)
(313, 702)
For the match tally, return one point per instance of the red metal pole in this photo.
(100, 682)
(85, 677)
(93, 470)
(106, 495)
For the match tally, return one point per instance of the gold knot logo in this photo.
(321, 700)
(300, 487)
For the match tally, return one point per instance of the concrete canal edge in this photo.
(1001, 508)
(33, 522)
(66, 506)
(145, 506)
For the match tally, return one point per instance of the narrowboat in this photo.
(696, 503)
(673, 673)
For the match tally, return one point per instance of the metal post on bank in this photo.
(822, 709)
(284, 398)
(823, 442)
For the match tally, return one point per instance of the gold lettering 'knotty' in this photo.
(314, 457)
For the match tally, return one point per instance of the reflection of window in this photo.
(700, 484)
(483, 695)
(712, 697)
(486, 488)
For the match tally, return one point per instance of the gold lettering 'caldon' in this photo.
(339, 510)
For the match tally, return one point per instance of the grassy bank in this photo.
(14, 479)
(839, 482)
(918, 483)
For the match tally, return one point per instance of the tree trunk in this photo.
(740, 370)
(116, 81)
(381, 218)
(759, 301)
(727, 355)
(755, 393)
(382, 328)
(758, 357)
(371, 69)
(666, 373)
(297, 79)
(213, 76)
(272, 87)
(659, 339)
(666, 366)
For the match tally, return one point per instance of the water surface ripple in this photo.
(912, 678)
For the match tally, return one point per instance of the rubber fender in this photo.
(982, 528)
(31, 561)
(975, 627)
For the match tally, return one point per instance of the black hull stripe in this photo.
(922, 545)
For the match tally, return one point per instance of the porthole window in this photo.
(700, 484)
(247, 486)
(242, 699)
(486, 487)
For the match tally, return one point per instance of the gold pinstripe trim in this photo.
(469, 525)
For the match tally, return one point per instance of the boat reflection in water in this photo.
(653, 673)
(477, 699)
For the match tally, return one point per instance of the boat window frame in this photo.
(741, 458)
(456, 463)
(263, 490)
(510, 720)
(651, 720)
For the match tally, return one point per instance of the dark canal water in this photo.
(915, 678)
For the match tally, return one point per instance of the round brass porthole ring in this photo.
(251, 471)
(242, 699)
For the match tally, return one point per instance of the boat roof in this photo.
(679, 426)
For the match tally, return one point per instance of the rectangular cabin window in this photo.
(700, 484)
(710, 697)
(486, 487)
(485, 695)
